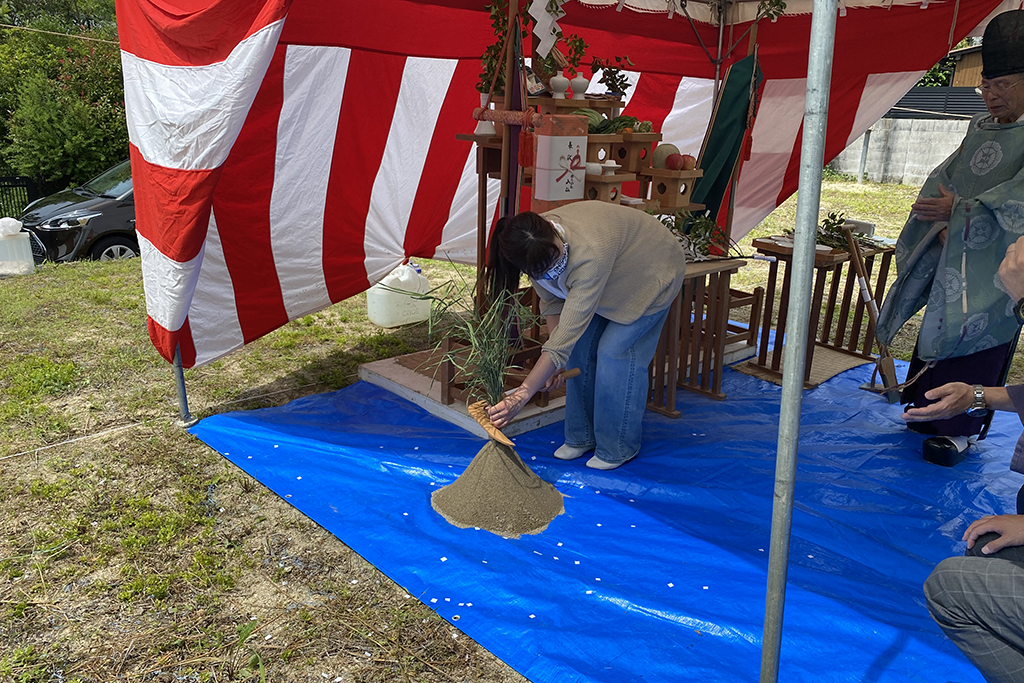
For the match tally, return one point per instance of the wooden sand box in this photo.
(499, 493)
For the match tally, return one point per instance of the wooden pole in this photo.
(506, 138)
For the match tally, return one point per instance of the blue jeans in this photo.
(604, 406)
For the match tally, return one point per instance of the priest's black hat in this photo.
(1002, 48)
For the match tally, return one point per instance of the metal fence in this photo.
(938, 103)
(16, 192)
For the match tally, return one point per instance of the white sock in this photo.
(567, 452)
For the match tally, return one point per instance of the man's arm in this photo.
(1011, 270)
(1009, 527)
(955, 398)
(935, 208)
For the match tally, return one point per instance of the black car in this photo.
(96, 220)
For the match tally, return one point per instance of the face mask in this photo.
(556, 270)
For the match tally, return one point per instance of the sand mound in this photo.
(498, 492)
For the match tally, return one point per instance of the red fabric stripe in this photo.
(653, 98)
(367, 108)
(792, 177)
(241, 206)
(401, 27)
(445, 160)
(172, 207)
(165, 340)
(652, 101)
(192, 32)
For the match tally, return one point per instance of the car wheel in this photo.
(114, 248)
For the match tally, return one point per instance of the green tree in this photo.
(61, 98)
(939, 75)
(67, 130)
(70, 13)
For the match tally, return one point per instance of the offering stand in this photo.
(851, 337)
(693, 345)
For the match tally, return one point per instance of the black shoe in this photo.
(940, 450)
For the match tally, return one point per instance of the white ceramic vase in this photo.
(559, 84)
(484, 127)
(579, 87)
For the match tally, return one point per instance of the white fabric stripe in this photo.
(213, 317)
(168, 285)
(458, 239)
(687, 123)
(314, 83)
(778, 121)
(420, 97)
(188, 117)
(881, 92)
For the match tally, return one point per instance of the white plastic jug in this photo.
(389, 305)
(16, 255)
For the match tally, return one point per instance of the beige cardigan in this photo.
(623, 265)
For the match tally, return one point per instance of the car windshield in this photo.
(113, 183)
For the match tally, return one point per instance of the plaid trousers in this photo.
(978, 601)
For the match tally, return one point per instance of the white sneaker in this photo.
(567, 452)
(599, 464)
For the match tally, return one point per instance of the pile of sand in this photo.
(498, 492)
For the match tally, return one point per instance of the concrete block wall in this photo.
(902, 151)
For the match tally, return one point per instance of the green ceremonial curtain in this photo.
(724, 141)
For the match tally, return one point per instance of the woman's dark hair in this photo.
(524, 243)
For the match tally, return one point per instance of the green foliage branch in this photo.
(611, 72)
(830, 234)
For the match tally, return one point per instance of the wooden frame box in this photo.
(672, 189)
(606, 188)
(635, 151)
(599, 147)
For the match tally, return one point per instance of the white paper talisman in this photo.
(561, 167)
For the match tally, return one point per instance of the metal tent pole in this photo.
(864, 156)
(812, 154)
(179, 379)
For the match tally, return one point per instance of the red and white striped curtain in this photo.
(288, 153)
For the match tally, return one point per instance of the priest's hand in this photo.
(1009, 527)
(1011, 270)
(950, 399)
(935, 208)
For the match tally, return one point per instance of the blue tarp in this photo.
(657, 571)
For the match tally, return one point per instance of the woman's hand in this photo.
(506, 409)
(556, 381)
(951, 399)
(934, 208)
(1009, 527)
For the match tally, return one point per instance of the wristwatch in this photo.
(1018, 312)
(978, 407)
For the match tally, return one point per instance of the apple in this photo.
(689, 162)
(675, 162)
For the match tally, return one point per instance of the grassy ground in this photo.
(131, 551)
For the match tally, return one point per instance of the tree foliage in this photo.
(62, 98)
(939, 75)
